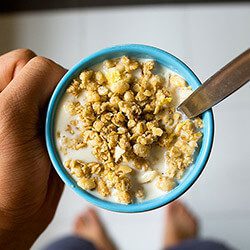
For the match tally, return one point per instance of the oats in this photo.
(102, 90)
(119, 87)
(74, 88)
(123, 170)
(129, 96)
(102, 188)
(87, 184)
(98, 125)
(126, 111)
(139, 194)
(165, 184)
(177, 81)
(148, 176)
(58, 134)
(157, 131)
(124, 197)
(93, 96)
(69, 129)
(141, 150)
(100, 78)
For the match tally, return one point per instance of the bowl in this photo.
(137, 51)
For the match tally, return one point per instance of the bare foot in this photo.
(89, 226)
(180, 224)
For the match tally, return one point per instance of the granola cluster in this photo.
(127, 110)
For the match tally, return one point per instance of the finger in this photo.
(54, 193)
(35, 82)
(55, 187)
(11, 64)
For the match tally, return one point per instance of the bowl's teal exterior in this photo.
(136, 51)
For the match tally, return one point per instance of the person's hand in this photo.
(29, 188)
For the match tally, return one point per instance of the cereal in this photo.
(165, 183)
(124, 197)
(87, 184)
(141, 150)
(122, 112)
(148, 176)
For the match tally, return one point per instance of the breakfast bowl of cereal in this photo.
(114, 133)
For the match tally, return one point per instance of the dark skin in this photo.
(30, 189)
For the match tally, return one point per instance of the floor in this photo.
(205, 37)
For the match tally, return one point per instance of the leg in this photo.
(71, 243)
(181, 230)
(199, 244)
(89, 234)
(180, 225)
(89, 226)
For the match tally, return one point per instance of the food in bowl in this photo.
(118, 132)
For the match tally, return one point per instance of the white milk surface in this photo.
(157, 156)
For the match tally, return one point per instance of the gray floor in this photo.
(205, 37)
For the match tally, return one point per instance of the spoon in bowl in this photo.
(219, 86)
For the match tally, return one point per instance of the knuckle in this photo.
(42, 63)
(24, 53)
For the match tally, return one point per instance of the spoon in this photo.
(219, 86)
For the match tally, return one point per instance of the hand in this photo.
(29, 188)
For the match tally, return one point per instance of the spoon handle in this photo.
(223, 83)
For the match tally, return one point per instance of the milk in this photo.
(157, 155)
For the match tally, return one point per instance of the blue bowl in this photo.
(136, 51)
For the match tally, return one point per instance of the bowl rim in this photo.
(111, 52)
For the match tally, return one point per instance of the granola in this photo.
(122, 112)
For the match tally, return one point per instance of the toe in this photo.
(93, 213)
(94, 217)
(188, 213)
(80, 223)
(171, 208)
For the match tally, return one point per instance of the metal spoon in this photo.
(222, 84)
